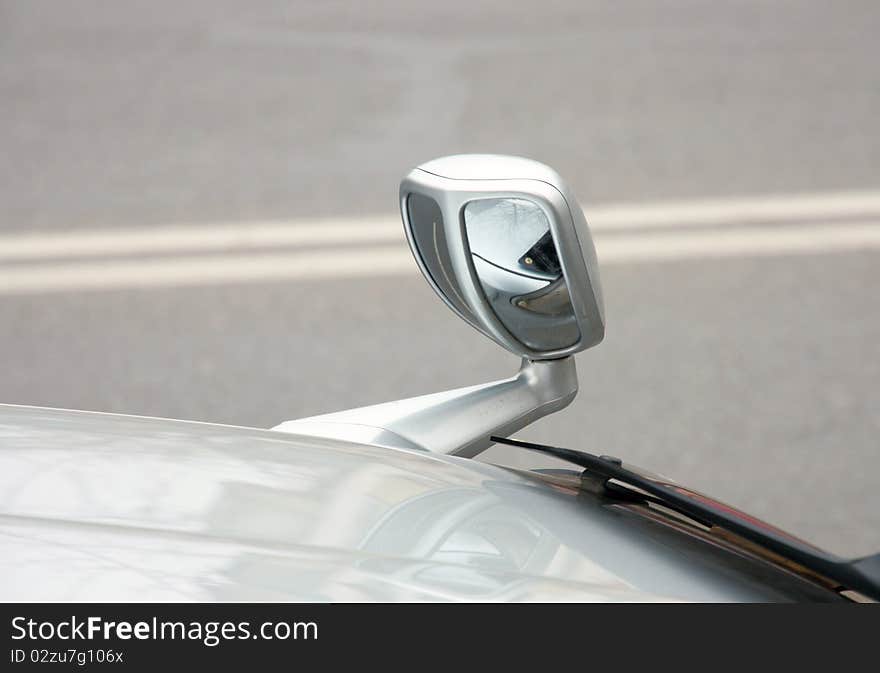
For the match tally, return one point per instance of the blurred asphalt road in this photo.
(753, 377)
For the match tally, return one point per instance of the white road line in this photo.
(200, 270)
(713, 212)
(378, 261)
(199, 238)
(738, 242)
(183, 238)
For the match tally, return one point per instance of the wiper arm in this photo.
(861, 575)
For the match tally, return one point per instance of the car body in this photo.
(103, 507)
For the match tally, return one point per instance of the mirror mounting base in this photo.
(457, 422)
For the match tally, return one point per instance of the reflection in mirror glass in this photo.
(516, 261)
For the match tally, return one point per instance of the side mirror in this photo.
(506, 246)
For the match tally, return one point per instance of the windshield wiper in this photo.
(607, 474)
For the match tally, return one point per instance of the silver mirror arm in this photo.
(457, 422)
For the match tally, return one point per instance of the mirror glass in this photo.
(515, 259)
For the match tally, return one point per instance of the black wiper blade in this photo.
(861, 575)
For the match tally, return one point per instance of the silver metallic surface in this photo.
(453, 182)
(119, 508)
(457, 422)
(439, 193)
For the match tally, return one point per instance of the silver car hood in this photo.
(100, 507)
